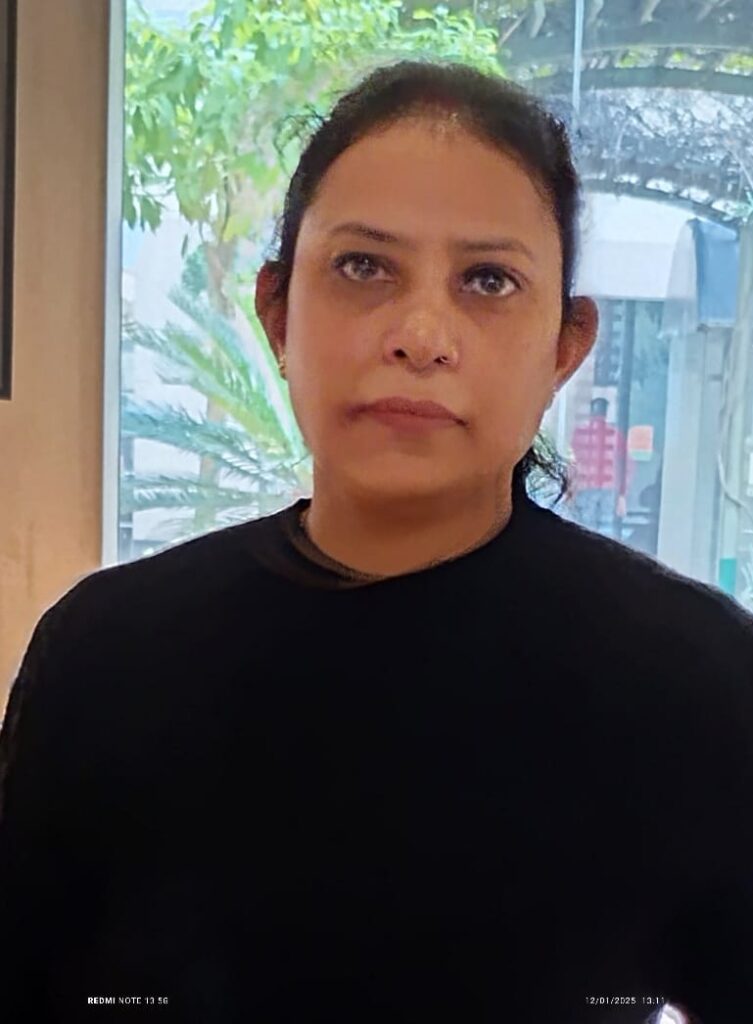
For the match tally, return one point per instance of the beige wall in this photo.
(50, 431)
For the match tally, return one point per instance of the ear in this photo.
(272, 312)
(577, 337)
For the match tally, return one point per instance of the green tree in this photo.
(250, 445)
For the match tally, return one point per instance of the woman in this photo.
(416, 748)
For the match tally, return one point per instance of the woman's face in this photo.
(433, 314)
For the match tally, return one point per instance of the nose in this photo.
(423, 339)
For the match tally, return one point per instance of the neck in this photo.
(388, 536)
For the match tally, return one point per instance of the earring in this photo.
(282, 365)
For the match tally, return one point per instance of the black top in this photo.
(514, 786)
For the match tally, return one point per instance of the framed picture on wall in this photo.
(7, 165)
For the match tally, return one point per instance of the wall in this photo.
(50, 431)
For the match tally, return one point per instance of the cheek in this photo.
(327, 343)
(316, 401)
(508, 403)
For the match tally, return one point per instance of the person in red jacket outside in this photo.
(598, 496)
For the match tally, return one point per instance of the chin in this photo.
(400, 479)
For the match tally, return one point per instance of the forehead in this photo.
(431, 178)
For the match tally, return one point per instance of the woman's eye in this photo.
(357, 259)
(494, 274)
(490, 275)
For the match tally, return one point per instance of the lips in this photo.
(410, 406)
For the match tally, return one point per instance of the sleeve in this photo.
(46, 877)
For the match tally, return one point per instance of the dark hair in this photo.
(599, 406)
(494, 110)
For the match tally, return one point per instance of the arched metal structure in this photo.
(666, 86)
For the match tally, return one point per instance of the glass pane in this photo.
(657, 421)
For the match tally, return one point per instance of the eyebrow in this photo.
(464, 244)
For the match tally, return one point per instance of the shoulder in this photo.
(607, 577)
(668, 658)
(185, 576)
(129, 615)
(106, 614)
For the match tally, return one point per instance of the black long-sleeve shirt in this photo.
(517, 786)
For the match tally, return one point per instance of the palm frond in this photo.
(186, 360)
(227, 443)
(254, 361)
(256, 445)
(146, 492)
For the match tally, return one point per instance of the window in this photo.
(656, 423)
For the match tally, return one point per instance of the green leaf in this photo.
(226, 32)
(129, 209)
(151, 213)
(238, 226)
